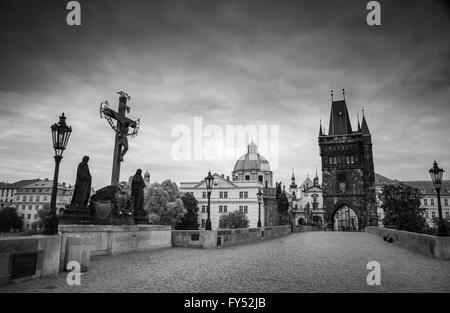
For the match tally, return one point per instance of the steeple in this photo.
(293, 184)
(364, 127)
(316, 179)
(320, 130)
(339, 118)
(359, 126)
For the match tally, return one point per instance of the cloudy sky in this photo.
(247, 62)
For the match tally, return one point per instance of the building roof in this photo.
(251, 161)
(339, 119)
(382, 180)
(427, 187)
(18, 184)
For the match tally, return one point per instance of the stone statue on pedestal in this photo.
(77, 212)
(82, 191)
(137, 192)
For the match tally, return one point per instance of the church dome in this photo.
(252, 161)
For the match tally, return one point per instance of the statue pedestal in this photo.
(140, 218)
(77, 215)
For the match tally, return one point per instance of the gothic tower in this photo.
(348, 176)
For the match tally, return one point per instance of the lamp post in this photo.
(436, 174)
(209, 182)
(60, 136)
(260, 196)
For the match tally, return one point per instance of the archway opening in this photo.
(345, 219)
(301, 221)
(317, 221)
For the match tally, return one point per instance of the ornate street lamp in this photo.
(209, 183)
(60, 135)
(436, 174)
(260, 196)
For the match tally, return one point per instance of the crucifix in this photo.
(121, 128)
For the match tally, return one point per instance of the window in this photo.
(352, 159)
(23, 206)
(28, 216)
(241, 194)
(447, 214)
(45, 198)
(36, 207)
(203, 222)
(38, 198)
(24, 198)
(225, 209)
(433, 214)
(245, 194)
(432, 201)
(425, 201)
(260, 178)
(35, 216)
(220, 208)
(427, 216)
(204, 194)
(18, 198)
(225, 194)
(243, 209)
(203, 208)
(446, 202)
(247, 177)
(30, 207)
(30, 199)
(342, 182)
(221, 194)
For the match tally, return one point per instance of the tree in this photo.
(42, 213)
(10, 219)
(190, 218)
(163, 204)
(233, 220)
(401, 205)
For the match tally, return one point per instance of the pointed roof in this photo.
(364, 127)
(320, 128)
(307, 183)
(339, 119)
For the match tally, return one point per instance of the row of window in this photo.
(7, 193)
(247, 177)
(342, 159)
(30, 198)
(224, 194)
(224, 208)
(29, 216)
(434, 214)
(425, 201)
(30, 207)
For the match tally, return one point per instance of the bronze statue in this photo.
(137, 191)
(82, 191)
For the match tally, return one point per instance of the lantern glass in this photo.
(60, 135)
(436, 174)
(260, 196)
(209, 181)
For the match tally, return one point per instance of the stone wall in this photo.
(226, 237)
(115, 239)
(434, 246)
(45, 250)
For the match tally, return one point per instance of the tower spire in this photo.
(320, 130)
(332, 95)
(343, 93)
(364, 127)
(359, 126)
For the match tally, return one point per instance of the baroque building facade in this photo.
(307, 202)
(251, 173)
(348, 176)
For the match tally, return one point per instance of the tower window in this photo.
(260, 178)
(342, 182)
(247, 177)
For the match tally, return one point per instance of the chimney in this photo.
(228, 177)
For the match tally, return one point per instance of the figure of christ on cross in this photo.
(122, 128)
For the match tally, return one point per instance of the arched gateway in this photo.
(345, 219)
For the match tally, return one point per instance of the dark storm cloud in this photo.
(230, 62)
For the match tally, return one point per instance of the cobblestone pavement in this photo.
(301, 262)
